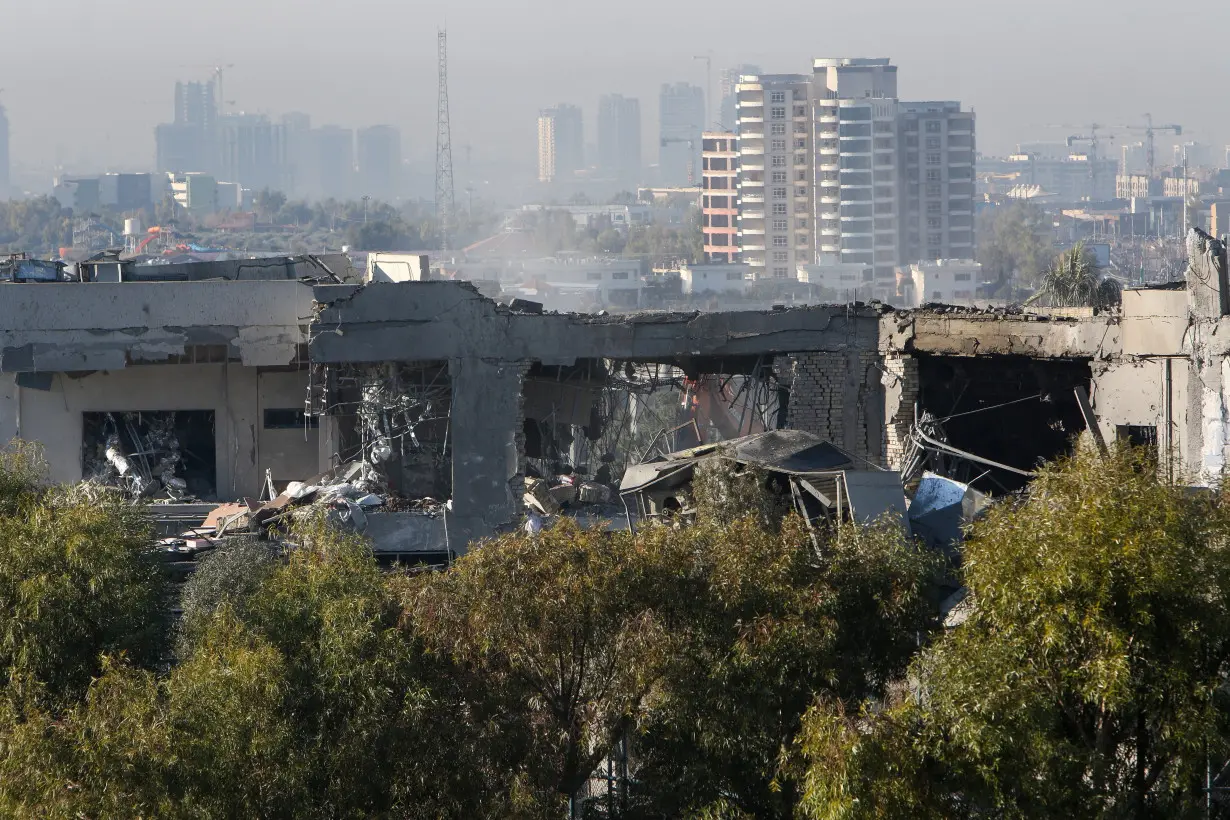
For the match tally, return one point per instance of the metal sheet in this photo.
(876, 493)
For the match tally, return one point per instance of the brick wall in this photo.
(900, 396)
(839, 396)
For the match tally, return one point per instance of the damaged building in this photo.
(221, 387)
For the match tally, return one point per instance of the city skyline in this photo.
(996, 75)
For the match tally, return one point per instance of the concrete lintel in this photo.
(962, 335)
(444, 320)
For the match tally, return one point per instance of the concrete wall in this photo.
(53, 417)
(99, 326)
(235, 394)
(397, 267)
(291, 454)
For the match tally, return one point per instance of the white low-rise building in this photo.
(716, 278)
(946, 281)
(840, 281)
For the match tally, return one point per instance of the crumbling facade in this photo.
(226, 389)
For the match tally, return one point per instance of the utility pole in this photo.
(445, 202)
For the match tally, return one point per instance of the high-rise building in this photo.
(333, 162)
(936, 172)
(6, 179)
(835, 171)
(298, 174)
(729, 85)
(1133, 159)
(189, 144)
(561, 143)
(379, 155)
(252, 151)
(855, 134)
(681, 122)
(775, 182)
(720, 196)
(619, 137)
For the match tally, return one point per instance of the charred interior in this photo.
(1014, 410)
(393, 416)
(154, 455)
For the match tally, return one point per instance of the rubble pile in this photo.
(566, 493)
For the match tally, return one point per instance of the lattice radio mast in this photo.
(446, 209)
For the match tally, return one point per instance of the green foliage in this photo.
(724, 492)
(1014, 243)
(764, 625)
(552, 638)
(228, 577)
(1074, 281)
(1089, 680)
(77, 579)
(36, 226)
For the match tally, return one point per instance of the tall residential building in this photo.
(681, 123)
(619, 137)
(297, 131)
(379, 155)
(775, 187)
(855, 134)
(561, 143)
(1133, 159)
(720, 196)
(333, 162)
(6, 179)
(190, 142)
(728, 115)
(252, 151)
(936, 170)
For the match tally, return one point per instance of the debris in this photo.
(563, 493)
(539, 496)
(593, 493)
(941, 508)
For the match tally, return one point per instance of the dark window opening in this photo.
(1013, 410)
(155, 455)
(289, 419)
(1137, 436)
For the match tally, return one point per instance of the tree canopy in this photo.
(1089, 679)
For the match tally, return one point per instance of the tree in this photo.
(555, 645)
(1014, 243)
(77, 580)
(269, 203)
(1089, 679)
(766, 622)
(1074, 281)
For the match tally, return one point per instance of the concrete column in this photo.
(1208, 416)
(238, 435)
(486, 436)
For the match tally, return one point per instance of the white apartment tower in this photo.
(561, 143)
(775, 177)
(855, 136)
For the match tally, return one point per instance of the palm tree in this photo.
(1073, 281)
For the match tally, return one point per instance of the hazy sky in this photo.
(86, 81)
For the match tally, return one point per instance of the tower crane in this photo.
(1094, 155)
(691, 143)
(1149, 130)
